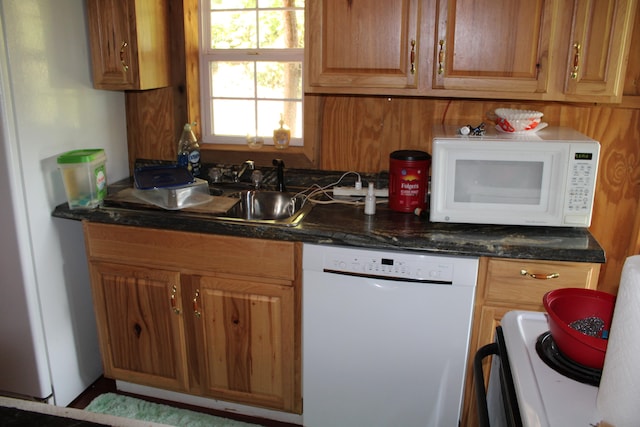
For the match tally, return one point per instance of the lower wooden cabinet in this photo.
(243, 335)
(208, 315)
(510, 284)
(140, 325)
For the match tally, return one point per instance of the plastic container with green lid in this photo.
(84, 176)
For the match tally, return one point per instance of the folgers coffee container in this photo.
(408, 175)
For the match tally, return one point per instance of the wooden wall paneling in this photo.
(313, 117)
(186, 21)
(179, 23)
(408, 127)
(352, 133)
(618, 187)
(150, 128)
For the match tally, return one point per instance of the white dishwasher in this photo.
(385, 337)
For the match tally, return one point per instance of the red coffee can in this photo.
(408, 177)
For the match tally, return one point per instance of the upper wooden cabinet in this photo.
(489, 46)
(599, 48)
(362, 44)
(129, 44)
(511, 49)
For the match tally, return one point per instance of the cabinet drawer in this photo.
(189, 252)
(525, 282)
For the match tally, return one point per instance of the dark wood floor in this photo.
(105, 385)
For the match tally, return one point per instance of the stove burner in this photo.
(551, 355)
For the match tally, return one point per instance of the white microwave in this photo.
(546, 178)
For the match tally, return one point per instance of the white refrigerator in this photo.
(48, 341)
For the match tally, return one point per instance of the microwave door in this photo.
(521, 188)
(499, 182)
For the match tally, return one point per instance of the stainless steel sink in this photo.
(268, 207)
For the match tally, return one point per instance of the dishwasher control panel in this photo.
(389, 265)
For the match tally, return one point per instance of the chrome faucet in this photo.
(248, 164)
(279, 163)
(256, 179)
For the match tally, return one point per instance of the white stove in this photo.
(545, 397)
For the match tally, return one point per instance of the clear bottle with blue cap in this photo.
(189, 150)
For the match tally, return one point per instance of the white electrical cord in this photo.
(317, 190)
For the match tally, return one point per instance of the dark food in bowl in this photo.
(568, 305)
(592, 326)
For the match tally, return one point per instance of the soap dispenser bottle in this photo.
(282, 135)
(189, 151)
(370, 201)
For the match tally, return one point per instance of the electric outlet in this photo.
(353, 192)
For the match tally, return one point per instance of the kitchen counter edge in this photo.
(347, 225)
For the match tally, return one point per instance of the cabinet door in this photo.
(357, 44)
(245, 339)
(140, 325)
(493, 46)
(600, 43)
(129, 44)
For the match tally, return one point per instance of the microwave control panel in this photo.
(583, 166)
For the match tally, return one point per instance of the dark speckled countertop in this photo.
(338, 224)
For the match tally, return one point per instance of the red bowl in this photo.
(565, 306)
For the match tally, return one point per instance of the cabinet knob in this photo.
(441, 57)
(576, 61)
(196, 307)
(125, 67)
(174, 306)
(413, 56)
(548, 276)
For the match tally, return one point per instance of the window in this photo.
(251, 56)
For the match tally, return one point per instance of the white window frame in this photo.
(208, 55)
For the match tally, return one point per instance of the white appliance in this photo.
(385, 336)
(49, 349)
(545, 178)
(544, 397)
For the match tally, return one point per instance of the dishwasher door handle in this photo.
(478, 376)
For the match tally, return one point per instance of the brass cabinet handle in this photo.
(441, 57)
(576, 61)
(196, 307)
(123, 46)
(524, 272)
(174, 307)
(413, 56)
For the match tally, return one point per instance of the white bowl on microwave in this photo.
(512, 120)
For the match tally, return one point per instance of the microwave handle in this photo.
(478, 377)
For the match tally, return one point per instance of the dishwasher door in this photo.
(380, 350)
